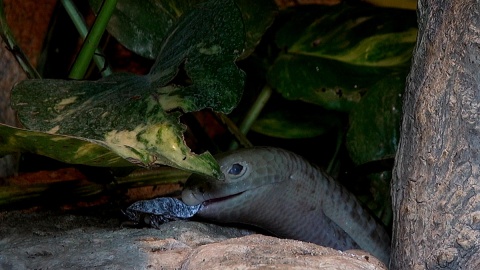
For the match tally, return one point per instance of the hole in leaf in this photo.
(181, 78)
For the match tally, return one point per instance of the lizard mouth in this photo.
(221, 199)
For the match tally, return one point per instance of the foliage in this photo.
(128, 114)
(338, 73)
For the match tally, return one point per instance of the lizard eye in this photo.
(236, 169)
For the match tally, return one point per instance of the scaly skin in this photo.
(281, 192)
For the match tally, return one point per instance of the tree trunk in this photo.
(436, 188)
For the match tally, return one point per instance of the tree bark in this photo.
(436, 188)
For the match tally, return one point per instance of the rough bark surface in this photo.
(52, 240)
(436, 191)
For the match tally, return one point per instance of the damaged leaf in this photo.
(135, 116)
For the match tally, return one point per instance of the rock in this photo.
(255, 251)
(49, 240)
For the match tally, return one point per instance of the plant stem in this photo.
(12, 46)
(253, 113)
(255, 110)
(81, 26)
(239, 136)
(93, 39)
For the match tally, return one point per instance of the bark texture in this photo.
(436, 188)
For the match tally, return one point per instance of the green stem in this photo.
(93, 39)
(255, 110)
(81, 26)
(253, 113)
(12, 46)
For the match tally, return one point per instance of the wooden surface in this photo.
(436, 187)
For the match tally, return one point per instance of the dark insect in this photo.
(157, 211)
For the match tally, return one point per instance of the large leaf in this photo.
(142, 25)
(128, 113)
(333, 55)
(66, 148)
(360, 35)
(257, 17)
(375, 122)
(205, 44)
(328, 83)
(294, 120)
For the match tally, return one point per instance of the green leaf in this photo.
(142, 25)
(120, 112)
(128, 113)
(328, 83)
(375, 122)
(360, 35)
(206, 42)
(257, 17)
(68, 149)
(333, 55)
(291, 120)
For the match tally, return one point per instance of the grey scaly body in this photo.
(281, 192)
